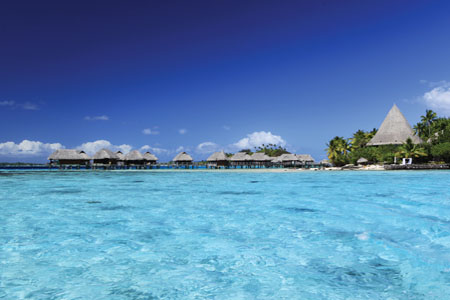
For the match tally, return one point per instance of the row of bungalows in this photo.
(106, 158)
(258, 160)
(101, 158)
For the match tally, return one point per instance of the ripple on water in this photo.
(216, 235)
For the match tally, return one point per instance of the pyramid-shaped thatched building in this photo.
(394, 130)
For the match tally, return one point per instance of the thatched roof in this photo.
(149, 157)
(105, 154)
(276, 159)
(182, 156)
(69, 154)
(241, 156)
(325, 162)
(288, 157)
(218, 156)
(134, 155)
(259, 156)
(362, 160)
(305, 158)
(394, 130)
(120, 155)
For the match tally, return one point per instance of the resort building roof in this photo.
(325, 162)
(362, 160)
(149, 156)
(288, 157)
(182, 156)
(241, 156)
(120, 155)
(259, 156)
(305, 158)
(69, 154)
(105, 154)
(276, 159)
(134, 155)
(218, 156)
(395, 129)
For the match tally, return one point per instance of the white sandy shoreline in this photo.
(277, 170)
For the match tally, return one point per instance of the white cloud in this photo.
(91, 147)
(28, 148)
(179, 149)
(438, 98)
(149, 131)
(226, 127)
(124, 148)
(155, 150)
(7, 103)
(258, 138)
(207, 147)
(182, 131)
(29, 106)
(97, 118)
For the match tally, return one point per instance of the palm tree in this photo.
(360, 139)
(419, 129)
(372, 133)
(337, 148)
(332, 149)
(345, 146)
(428, 119)
(410, 150)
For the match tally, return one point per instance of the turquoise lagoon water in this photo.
(224, 235)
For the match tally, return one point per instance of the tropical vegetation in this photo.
(433, 130)
(271, 150)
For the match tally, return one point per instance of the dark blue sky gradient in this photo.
(304, 70)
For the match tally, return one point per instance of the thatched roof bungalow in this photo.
(150, 158)
(69, 157)
(240, 159)
(261, 159)
(120, 156)
(288, 159)
(305, 158)
(218, 159)
(362, 161)
(276, 160)
(134, 158)
(183, 158)
(325, 162)
(394, 130)
(105, 156)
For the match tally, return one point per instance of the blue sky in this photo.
(208, 75)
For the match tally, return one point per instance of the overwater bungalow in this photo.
(305, 159)
(241, 159)
(149, 158)
(120, 158)
(289, 160)
(105, 157)
(183, 159)
(261, 159)
(69, 157)
(134, 158)
(325, 163)
(394, 130)
(276, 161)
(218, 159)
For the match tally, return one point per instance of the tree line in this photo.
(271, 150)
